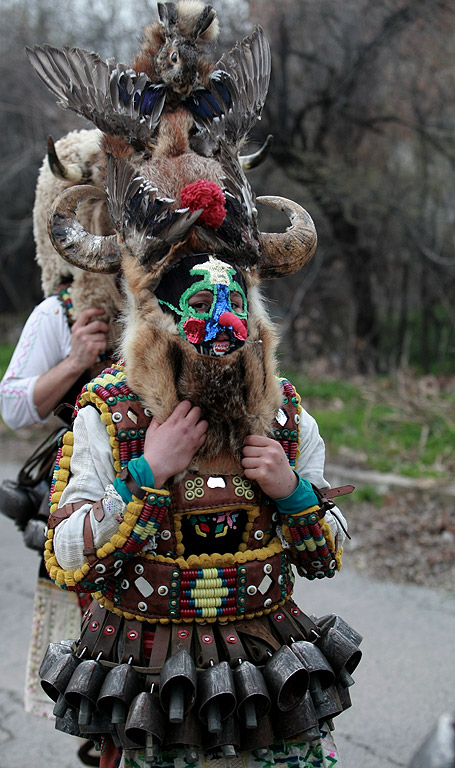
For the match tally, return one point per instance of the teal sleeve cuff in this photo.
(141, 473)
(300, 499)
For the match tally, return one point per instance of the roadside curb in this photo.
(384, 482)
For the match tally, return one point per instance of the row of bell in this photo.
(300, 686)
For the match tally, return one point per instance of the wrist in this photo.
(73, 366)
(159, 474)
(302, 497)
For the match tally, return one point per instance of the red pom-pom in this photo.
(208, 196)
(194, 328)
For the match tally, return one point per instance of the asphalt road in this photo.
(405, 681)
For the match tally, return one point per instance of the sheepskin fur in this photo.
(79, 150)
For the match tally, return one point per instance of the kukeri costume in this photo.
(192, 649)
(44, 342)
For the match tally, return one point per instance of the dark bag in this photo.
(23, 499)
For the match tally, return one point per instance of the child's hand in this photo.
(169, 447)
(265, 461)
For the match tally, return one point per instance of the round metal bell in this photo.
(178, 686)
(53, 652)
(186, 736)
(328, 703)
(216, 695)
(342, 654)
(253, 700)
(286, 678)
(56, 672)
(345, 696)
(301, 721)
(228, 738)
(336, 622)
(121, 684)
(97, 727)
(255, 738)
(68, 723)
(82, 690)
(146, 723)
(321, 673)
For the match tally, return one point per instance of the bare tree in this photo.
(361, 106)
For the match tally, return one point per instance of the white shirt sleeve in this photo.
(44, 342)
(310, 466)
(92, 475)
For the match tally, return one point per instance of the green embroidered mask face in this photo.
(207, 297)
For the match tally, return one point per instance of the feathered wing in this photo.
(248, 65)
(138, 212)
(224, 114)
(114, 97)
(237, 91)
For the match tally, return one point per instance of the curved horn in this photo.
(94, 253)
(71, 172)
(285, 253)
(248, 162)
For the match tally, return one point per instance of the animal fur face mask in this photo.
(207, 298)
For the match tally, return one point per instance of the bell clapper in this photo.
(177, 703)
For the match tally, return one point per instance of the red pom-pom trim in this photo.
(208, 196)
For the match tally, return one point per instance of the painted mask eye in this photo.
(236, 301)
(201, 301)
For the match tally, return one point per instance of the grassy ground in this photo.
(6, 350)
(403, 424)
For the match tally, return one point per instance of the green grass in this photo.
(6, 350)
(368, 494)
(375, 425)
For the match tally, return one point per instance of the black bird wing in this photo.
(237, 90)
(138, 211)
(114, 97)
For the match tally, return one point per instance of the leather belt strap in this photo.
(64, 512)
(258, 640)
(310, 629)
(231, 642)
(159, 652)
(182, 635)
(98, 510)
(108, 636)
(256, 628)
(333, 493)
(131, 484)
(285, 628)
(207, 650)
(95, 612)
(89, 550)
(132, 642)
(100, 633)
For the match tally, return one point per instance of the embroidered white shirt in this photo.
(44, 342)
